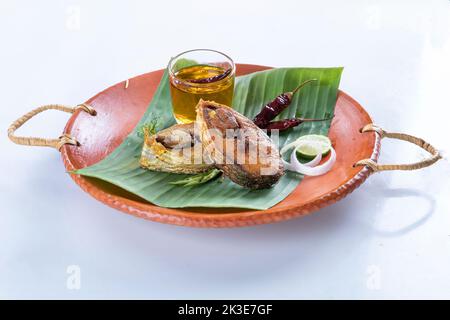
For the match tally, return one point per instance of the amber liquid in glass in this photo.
(186, 94)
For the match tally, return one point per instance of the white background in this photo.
(389, 239)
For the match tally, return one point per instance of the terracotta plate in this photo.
(120, 108)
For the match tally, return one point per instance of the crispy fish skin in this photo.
(235, 154)
(174, 150)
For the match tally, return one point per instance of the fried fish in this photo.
(244, 152)
(176, 149)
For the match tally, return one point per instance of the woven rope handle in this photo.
(54, 143)
(435, 156)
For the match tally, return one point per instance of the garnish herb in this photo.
(198, 178)
(150, 128)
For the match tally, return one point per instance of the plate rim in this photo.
(153, 212)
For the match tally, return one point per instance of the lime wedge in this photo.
(313, 144)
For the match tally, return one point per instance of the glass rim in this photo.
(172, 74)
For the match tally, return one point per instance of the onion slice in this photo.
(314, 162)
(289, 146)
(309, 169)
(297, 144)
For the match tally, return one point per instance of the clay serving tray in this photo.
(99, 125)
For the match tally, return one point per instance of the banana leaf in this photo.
(251, 92)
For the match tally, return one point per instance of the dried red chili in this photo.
(212, 79)
(275, 107)
(285, 124)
